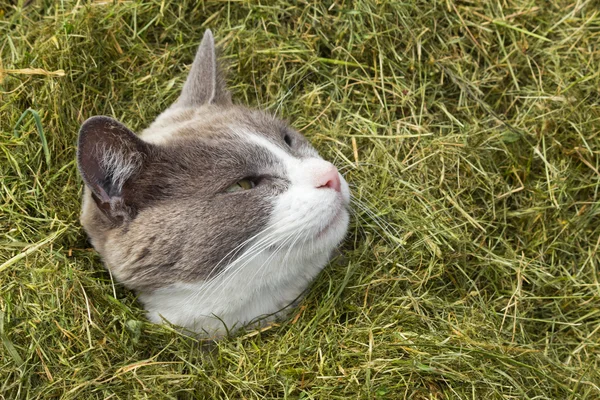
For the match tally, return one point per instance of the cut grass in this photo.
(469, 132)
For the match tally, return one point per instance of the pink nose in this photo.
(329, 179)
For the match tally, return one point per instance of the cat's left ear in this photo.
(205, 83)
(110, 156)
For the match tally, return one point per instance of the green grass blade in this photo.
(40, 129)
(8, 345)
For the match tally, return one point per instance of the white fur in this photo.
(279, 263)
(119, 166)
(163, 128)
(255, 287)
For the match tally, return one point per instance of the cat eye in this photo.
(244, 184)
(287, 139)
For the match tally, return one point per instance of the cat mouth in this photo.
(333, 222)
(321, 233)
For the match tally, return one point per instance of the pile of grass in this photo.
(469, 132)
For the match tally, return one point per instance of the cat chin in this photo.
(336, 228)
(261, 289)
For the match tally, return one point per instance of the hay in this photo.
(469, 132)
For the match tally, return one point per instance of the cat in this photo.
(215, 215)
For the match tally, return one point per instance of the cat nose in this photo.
(329, 178)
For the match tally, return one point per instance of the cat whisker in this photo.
(272, 256)
(289, 92)
(236, 250)
(247, 257)
(249, 250)
(284, 260)
(382, 224)
(238, 271)
(377, 219)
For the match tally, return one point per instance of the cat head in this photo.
(207, 183)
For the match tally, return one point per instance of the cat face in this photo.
(208, 190)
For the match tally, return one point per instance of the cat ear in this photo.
(204, 84)
(108, 155)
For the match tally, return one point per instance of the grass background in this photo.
(468, 130)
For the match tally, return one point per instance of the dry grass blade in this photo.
(470, 135)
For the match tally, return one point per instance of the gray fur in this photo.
(204, 84)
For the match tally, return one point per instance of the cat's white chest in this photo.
(261, 290)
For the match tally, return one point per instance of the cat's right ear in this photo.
(205, 83)
(108, 156)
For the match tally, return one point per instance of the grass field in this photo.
(469, 132)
